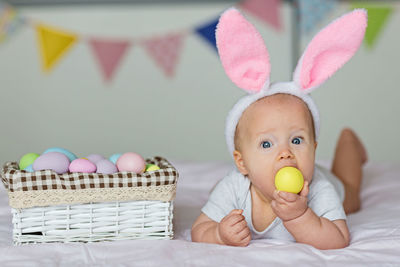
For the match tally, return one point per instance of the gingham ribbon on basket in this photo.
(20, 180)
(40, 188)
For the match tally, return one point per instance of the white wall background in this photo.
(183, 117)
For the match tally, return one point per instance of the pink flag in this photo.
(165, 51)
(109, 54)
(266, 10)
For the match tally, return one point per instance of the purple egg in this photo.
(106, 166)
(95, 158)
(55, 161)
(82, 165)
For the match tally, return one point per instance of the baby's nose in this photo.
(285, 154)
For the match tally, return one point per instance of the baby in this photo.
(277, 126)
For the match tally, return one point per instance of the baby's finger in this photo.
(274, 205)
(239, 226)
(245, 241)
(278, 198)
(236, 211)
(244, 233)
(234, 219)
(289, 197)
(305, 190)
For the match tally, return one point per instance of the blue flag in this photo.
(312, 12)
(207, 32)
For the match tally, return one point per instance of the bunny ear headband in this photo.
(246, 61)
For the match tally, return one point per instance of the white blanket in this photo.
(375, 232)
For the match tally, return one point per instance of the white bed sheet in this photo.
(375, 232)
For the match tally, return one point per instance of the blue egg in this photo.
(71, 156)
(115, 157)
(29, 168)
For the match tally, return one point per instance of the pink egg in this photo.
(82, 165)
(131, 162)
(106, 166)
(55, 161)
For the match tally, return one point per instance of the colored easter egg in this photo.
(95, 158)
(106, 166)
(131, 162)
(114, 157)
(55, 161)
(71, 156)
(82, 165)
(289, 179)
(151, 167)
(27, 160)
(29, 168)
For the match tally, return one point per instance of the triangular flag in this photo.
(266, 10)
(207, 32)
(377, 17)
(53, 44)
(165, 51)
(312, 12)
(9, 21)
(109, 54)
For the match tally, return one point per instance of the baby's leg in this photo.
(350, 156)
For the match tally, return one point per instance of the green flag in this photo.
(377, 17)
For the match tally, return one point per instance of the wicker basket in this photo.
(115, 207)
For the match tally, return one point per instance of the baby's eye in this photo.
(265, 144)
(297, 140)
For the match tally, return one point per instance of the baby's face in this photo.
(275, 132)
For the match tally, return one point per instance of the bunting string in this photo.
(54, 43)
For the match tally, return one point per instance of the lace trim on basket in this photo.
(21, 200)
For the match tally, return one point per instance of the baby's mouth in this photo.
(286, 165)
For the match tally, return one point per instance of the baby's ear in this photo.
(242, 52)
(330, 49)
(237, 156)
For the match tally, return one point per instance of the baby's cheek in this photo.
(263, 178)
(308, 175)
(307, 169)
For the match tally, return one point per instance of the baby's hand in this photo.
(233, 229)
(289, 206)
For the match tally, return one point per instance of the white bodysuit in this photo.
(325, 198)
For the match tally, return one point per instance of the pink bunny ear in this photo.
(330, 49)
(242, 51)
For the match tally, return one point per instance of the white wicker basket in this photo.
(81, 207)
(93, 222)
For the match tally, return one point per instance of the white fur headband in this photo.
(245, 59)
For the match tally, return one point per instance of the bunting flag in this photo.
(10, 21)
(377, 18)
(108, 54)
(312, 12)
(165, 51)
(207, 32)
(53, 44)
(266, 10)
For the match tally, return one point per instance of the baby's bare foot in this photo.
(349, 136)
(350, 155)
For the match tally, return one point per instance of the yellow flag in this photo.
(53, 44)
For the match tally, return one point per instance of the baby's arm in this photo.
(305, 226)
(319, 231)
(232, 230)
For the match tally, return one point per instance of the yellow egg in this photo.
(151, 167)
(289, 179)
